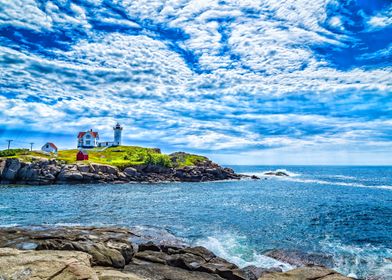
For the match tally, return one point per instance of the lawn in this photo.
(122, 156)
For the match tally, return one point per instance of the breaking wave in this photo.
(324, 182)
(356, 262)
(234, 249)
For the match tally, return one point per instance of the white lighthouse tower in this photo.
(117, 134)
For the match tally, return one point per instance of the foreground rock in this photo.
(17, 264)
(306, 273)
(42, 171)
(116, 253)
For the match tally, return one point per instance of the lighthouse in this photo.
(117, 134)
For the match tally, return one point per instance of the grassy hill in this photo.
(122, 156)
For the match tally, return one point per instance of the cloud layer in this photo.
(208, 76)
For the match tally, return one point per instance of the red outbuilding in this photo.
(82, 155)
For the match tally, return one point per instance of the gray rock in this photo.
(108, 169)
(130, 171)
(10, 169)
(69, 175)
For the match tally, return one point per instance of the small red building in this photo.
(82, 155)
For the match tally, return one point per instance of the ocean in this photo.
(341, 212)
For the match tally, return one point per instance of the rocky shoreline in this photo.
(42, 171)
(118, 253)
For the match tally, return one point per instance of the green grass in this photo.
(122, 156)
(184, 159)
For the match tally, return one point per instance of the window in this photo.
(88, 142)
(88, 136)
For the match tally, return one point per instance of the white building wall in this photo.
(48, 149)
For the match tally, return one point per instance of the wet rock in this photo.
(156, 271)
(253, 272)
(276, 173)
(299, 258)
(149, 246)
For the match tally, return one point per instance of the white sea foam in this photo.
(323, 182)
(265, 173)
(359, 262)
(290, 173)
(8, 225)
(232, 248)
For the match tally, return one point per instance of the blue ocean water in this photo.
(344, 212)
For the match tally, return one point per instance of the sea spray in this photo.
(235, 249)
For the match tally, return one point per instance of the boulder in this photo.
(114, 254)
(130, 171)
(299, 258)
(306, 273)
(56, 265)
(149, 246)
(69, 175)
(156, 271)
(276, 173)
(253, 272)
(107, 169)
(105, 273)
(10, 169)
(83, 167)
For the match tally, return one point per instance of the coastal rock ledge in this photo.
(116, 253)
(41, 171)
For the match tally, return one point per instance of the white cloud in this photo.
(380, 20)
(24, 13)
(256, 80)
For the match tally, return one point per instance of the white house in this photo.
(88, 139)
(49, 148)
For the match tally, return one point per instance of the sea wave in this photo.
(234, 249)
(324, 182)
(359, 262)
(265, 173)
(290, 173)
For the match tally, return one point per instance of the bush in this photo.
(13, 152)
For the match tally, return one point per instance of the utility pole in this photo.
(9, 143)
(31, 146)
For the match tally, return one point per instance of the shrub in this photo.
(13, 152)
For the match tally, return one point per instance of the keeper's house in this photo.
(88, 139)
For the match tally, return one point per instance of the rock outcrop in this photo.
(117, 253)
(43, 171)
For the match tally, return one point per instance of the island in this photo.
(116, 164)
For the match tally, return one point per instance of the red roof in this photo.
(94, 134)
(52, 145)
(81, 134)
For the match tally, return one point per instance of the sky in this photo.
(240, 81)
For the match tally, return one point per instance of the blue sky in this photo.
(244, 82)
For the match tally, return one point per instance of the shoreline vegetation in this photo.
(120, 164)
(104, 253)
